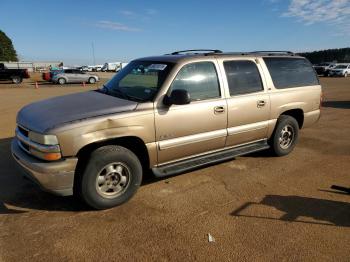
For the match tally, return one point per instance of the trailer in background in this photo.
(113, 66)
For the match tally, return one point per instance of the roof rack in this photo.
(197, 51)
(273, 52)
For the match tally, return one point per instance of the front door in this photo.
(186, 130)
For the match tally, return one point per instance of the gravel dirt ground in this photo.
(257, 207)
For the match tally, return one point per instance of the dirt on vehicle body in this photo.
(171, 114)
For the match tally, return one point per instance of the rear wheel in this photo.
(285, 136)
(92, 80)
(111, 177)
(16, 79)
(61, 81)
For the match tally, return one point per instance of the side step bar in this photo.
(208, 159)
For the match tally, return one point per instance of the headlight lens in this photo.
(42, 146)
(43, 139)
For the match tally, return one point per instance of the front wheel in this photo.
(16, 79)
(92, 80)
(111, 177)
(61, 81)
(285, 136)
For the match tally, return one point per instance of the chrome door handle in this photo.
(261, 103)
(219, 109)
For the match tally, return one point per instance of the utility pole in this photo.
(93, 53)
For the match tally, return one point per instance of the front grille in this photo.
(25, 146)
(23, 131)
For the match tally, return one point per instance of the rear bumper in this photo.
(55, 177)
(311, 118)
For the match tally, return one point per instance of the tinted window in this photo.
(199, 79)
(291, 72)
(243, 77)
(68, 71)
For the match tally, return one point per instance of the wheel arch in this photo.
(133, 143)
(297, 114)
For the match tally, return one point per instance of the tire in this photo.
(92, 80)
(285, 136)
(61, 81)
(16, 79)
(346, 75)
(111, 177)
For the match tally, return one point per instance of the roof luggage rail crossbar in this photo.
(197, 51)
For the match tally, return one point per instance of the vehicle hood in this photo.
(50, 113)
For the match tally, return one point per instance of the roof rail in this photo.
(197, 51)
(273, 52)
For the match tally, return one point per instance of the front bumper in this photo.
(332, 73)
(55, 177)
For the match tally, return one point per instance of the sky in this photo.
(126, 29)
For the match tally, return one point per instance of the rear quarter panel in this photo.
(306, 98)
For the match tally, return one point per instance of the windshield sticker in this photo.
(156, 67)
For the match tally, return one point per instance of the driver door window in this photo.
(200, 80)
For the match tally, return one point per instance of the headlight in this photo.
(42, 146)
(43, 139)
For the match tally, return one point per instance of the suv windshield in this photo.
(138, 81)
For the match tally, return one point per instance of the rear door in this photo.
(81, 76)
(248, 102)
(68, 73)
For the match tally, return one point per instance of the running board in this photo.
(208, 159)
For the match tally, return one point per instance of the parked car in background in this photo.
(340, 70)
(110, 66)
(97, 68)
(171, 114)
(15, 75)
(324, 68)
(114, 66)
(74, 76)
(83, 68)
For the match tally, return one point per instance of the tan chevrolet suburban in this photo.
(169, 113)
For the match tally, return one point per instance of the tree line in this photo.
(7, 51)
(339, 55)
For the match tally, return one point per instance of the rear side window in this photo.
(199, 79)
(243, 77)
(291, 72)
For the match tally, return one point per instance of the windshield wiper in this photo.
(118, 93)
(133, 98)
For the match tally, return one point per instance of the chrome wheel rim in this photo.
(286, 137)
(92, 80)
(113, 180)
(61, 81)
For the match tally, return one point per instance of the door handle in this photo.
(219, 109)
(261, 103)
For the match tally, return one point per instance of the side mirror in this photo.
(177, 97)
